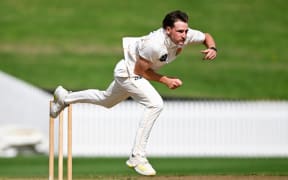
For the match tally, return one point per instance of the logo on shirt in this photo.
(163, 58)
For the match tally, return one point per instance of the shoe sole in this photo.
(143, 173)
(59, 90)
(130, 165)
(57, 93)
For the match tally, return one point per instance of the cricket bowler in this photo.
(143, 56)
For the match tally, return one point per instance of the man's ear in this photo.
(168, 30)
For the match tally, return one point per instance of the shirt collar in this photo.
(168, 42)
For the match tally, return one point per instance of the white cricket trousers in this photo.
(120, 89)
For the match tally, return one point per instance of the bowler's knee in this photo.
(157, 106)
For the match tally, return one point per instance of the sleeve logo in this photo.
(163, 58)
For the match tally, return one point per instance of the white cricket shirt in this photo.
(155, 47)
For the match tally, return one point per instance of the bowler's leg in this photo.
(108, 98)
(150, 98)
(144, 93)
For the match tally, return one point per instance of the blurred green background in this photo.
(77, 43)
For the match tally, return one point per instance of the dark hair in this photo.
(172, 17)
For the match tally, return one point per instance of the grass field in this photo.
(105, 168)
(77, 43)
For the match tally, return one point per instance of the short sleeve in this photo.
(149, 50)
(195, 36)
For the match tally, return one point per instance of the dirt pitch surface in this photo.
(170, 178)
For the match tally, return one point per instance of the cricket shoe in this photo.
(58, 103)
(141, 165)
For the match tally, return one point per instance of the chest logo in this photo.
(163, 58)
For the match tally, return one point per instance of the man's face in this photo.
(178, 33)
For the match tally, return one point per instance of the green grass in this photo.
(77, 43)
(93, 167)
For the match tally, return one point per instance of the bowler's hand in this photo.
(209, 54)
(173, 83)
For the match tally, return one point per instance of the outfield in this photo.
(115, 168)
(77, 44)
